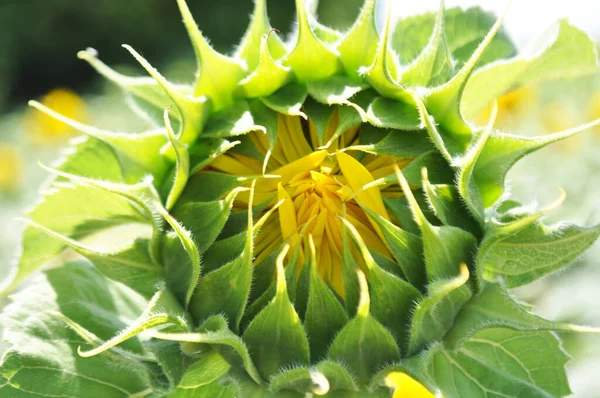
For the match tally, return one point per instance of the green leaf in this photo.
(170, 358)
(224, 251)
(444, 104)
(206, 369)
(445, 247)
(214, 331)
(321, 329)
(466, 184)
(502, 151)
(563, 52)
(287, 100)
(383, 73)
(393, 114)
(435, 314)
(434, 65)
(337, 375)
(363, 345)
(406, 248)
(192, 110)
(335, 90)
(43, 359)
(226, 289)
(320, 115)
(503, 363)
(448, 206)
(182, 169)
(302, 380)
(213, 390)
(136, 153)
(494, 307)
(205, 220)
(534, 252)
(464, 31)
(439, 172)
(269, 119)
(162, 309)
(144, 88)
(349, 269)
(276, 337)
(191, 250)
(139, 195)
(393, 298)
(235, 120)
(401, 144)
(129, 264)
(83, 211)
(208, 186)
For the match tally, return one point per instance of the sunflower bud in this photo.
(321, 217)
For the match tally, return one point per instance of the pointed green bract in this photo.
(357, 49)
(446, 247)
(310, 51)
(276, 336)
(182, 170)
(218, 75)
(364, 344)
(321, 330)
(434, 65)
(259, 26)
(269, 75)
(434, 315)
(136, 153)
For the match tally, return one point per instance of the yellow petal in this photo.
(291, 138)
(406, 387)
(357, 176)
(289, 171)
(233, 166)
(287, 213)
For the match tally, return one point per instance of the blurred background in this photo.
(39, 40)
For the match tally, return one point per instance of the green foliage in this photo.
(221, 318)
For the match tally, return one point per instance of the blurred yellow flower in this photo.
(406, 387)
(558, 116)
(512, 106)
(44, 129)
(593, 111)
(11, 166)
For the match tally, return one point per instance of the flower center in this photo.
(315, 186)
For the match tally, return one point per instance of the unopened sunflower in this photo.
(315, 218)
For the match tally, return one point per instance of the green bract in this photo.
(315, 217)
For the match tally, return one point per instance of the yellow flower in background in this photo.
(593, 111)
(406, 387)
(44, 129)
(512, 106)
(11, 165)
(559, 116)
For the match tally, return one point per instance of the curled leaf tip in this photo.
(364, 303)
(320, 383)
